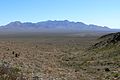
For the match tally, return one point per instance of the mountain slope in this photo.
(109, 40)
(103, 58)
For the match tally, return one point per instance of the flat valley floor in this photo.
(48, 58)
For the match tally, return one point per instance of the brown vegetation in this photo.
(57, 58)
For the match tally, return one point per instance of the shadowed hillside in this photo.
(103, 58)
(109, 40)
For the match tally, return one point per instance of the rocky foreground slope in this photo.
(108, 40)
(104, 57)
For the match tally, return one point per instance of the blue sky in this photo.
(99, 12)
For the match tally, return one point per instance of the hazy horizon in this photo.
(102, 13)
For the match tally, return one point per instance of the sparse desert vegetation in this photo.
(57, 58)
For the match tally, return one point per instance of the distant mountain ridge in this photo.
(52, 26)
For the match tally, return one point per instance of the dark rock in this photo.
(98, 69)
(16, 55)
(13, 52)
(107, 69)
(36, 78)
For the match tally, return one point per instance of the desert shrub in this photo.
(8, 72)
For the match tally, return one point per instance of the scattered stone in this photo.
(13, 52)
(107, 69)
(8, 49)
(36, 78)
(16, 55)
(98, 69)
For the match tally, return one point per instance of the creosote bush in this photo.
(8, 72)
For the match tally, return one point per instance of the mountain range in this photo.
(51, 26)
